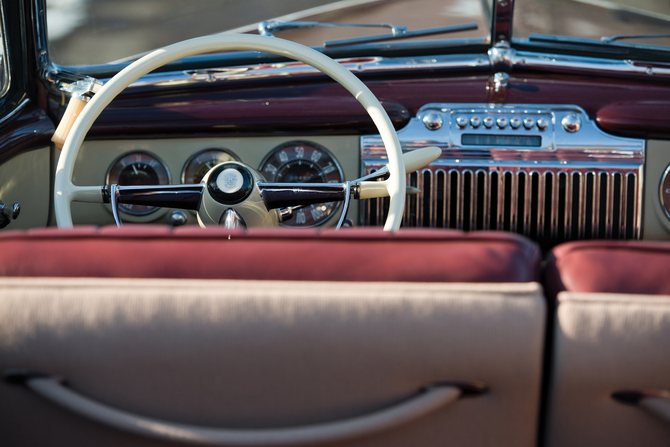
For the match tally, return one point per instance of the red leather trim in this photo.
(637, 267)
(278, 254)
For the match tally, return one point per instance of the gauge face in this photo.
(300, 162)
(137, 169)
(199, 164)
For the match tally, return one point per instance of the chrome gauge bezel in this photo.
(200, 152)
(160, 163)
(664, 206)
(336, 163)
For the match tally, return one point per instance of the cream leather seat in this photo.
(354, 338)
(610, 380)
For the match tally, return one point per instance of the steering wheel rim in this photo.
(65, 192)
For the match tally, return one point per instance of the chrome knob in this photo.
(232, 220)
(514, 123)
(8, 213)
(432, 121)
(475, 121)
(528, 123)
(501, 122)
(571, 123)
(462, 121)
(488, 122)
(178, 218)
(542, 123)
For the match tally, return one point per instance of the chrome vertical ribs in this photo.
(543, 171)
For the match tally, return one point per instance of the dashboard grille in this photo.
(545, 171)
(549, 205)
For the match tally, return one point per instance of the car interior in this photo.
(243, 239)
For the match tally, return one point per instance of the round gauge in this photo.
(200, 163)
(300, 162)
(137, 169)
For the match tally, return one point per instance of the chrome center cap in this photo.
(229, 183)
(230, 180)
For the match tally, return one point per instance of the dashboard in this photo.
(311, 158)
(509, 162)
(546, 171)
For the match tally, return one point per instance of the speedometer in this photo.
(138, 169)
(303, 162)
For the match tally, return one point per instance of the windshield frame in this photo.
(383, 49)
(498, 46)
(586, 47)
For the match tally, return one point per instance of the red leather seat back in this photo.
(349, 255)
(636, 267)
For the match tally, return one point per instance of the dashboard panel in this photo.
(337, 156)
(546, 171)
(176, 123)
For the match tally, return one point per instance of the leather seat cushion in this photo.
(365, 254)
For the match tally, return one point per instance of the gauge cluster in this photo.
(304, 162)
(330, 159)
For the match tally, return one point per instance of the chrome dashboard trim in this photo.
(284, 69)
(591, 65)
(573, 185)
(664, 206)
(507, 59)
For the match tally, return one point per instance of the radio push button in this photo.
(528, 123)
(501, 122)
(488, 122)
(462, 121)
(475, 121)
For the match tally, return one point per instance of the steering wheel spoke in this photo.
(88, 194)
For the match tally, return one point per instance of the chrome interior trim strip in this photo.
(16, 110)
(517, 60)
(583, 64)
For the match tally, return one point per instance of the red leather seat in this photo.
(610, 361)
(637, 267)
(349, 255)
(213, 346)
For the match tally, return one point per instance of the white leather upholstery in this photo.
(606, 343)
(254, 354)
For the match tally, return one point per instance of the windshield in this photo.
(595, 19)
(83, 32)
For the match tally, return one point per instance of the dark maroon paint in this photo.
(213, 113)
(637, 118)
(310, 106)
(30, 129)
(327, 107)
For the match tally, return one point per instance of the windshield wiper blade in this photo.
(404, 35)
(610, 39)
(267, 28)
(397, 32)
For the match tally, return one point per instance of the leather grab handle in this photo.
(428, 400)
(655, 402)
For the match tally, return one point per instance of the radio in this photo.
(545, 171)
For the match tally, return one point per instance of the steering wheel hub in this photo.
(230, 183)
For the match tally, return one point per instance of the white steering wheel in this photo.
(65, 192)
